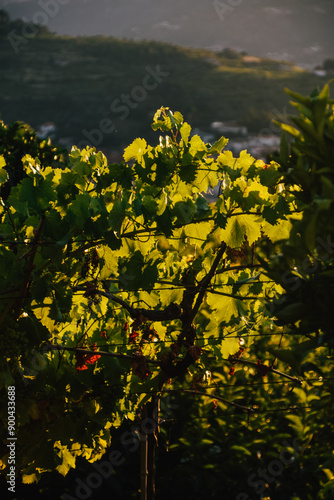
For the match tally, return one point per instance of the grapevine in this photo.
(125, 282)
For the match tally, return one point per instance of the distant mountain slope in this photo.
(298, 30)
(81, 84)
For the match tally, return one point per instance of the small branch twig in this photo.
(52, 347)
(110, 296)
(270, 369)
(240, 297)
(131, 234)
(189, 312)
(238, 268)
(205, 282)
(244, 213)
(9, 216)
(17, 301)
(253, 253)
(212, 396)
(173, 311)
(30, 266)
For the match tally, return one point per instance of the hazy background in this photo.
(298, 30)
(71, 81)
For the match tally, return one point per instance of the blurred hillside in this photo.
(299, 31)
(81, 84)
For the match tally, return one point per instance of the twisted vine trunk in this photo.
(148, 449)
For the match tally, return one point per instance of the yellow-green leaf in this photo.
(135, 150)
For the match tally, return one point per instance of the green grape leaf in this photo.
(238, 227)
(217, 147)
(3, 172)
(66, 458)
(228, 347)
(135, 151)
(197, 147)
(185, 132)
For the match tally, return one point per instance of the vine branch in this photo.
(17, 301)
(205, 282)
(240, 297)
(30, 265)
(238, 268)
(268, 368)
(212, 396)
(80, 350)
(173, 311)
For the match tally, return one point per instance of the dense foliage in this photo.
(250, 453)
(121, 282)
(18, 140)
(308, 174)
